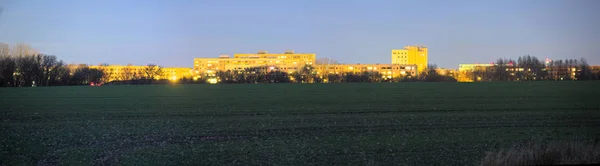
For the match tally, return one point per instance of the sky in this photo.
(171, 33)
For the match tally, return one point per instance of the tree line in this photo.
(44, 70)
(530, 68)
(27, 70)
(307, 74)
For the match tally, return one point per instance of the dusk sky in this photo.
(173, 32)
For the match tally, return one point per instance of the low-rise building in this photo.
(465, 71)
(387, 71)
(131, 72)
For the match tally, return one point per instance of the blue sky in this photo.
(173, 32)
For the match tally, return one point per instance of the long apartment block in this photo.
(408, 61)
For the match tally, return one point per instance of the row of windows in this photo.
(403, 53)
(263, 68)
(274, 57)
(226, 62)
(365, 68)
(209, 65)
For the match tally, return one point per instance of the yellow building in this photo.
(387, 71)
(595, 69)
(287, 61)
(411, 55)
(447, 72)
(130, 72)
(405, 63)
(471, 67)
(465, 71)
(176, 73)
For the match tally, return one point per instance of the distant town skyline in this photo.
(172, 33)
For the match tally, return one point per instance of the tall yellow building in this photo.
(411, 55)
(287, 61)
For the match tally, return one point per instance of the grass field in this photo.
(289, 124)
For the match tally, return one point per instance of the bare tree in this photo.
(7, 70)
(4, 49)
(151, 71)
(22, 49)
(47, 64)
(129, 73)
(106, 72)
(28, 70)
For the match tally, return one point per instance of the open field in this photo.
(404, 123)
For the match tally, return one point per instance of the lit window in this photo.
(212, 80)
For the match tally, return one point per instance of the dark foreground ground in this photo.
(289, 124)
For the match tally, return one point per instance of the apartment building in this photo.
(288, 61)
(131, 72)
(447, 72)
(407, 63)
(465, 71)
(410, 55)
(387, 71)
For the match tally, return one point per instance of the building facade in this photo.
(465, 71)
(388, 71)
(291, 62)
(131, 72)
(411, 55)
(288, 61)
(447, 72)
